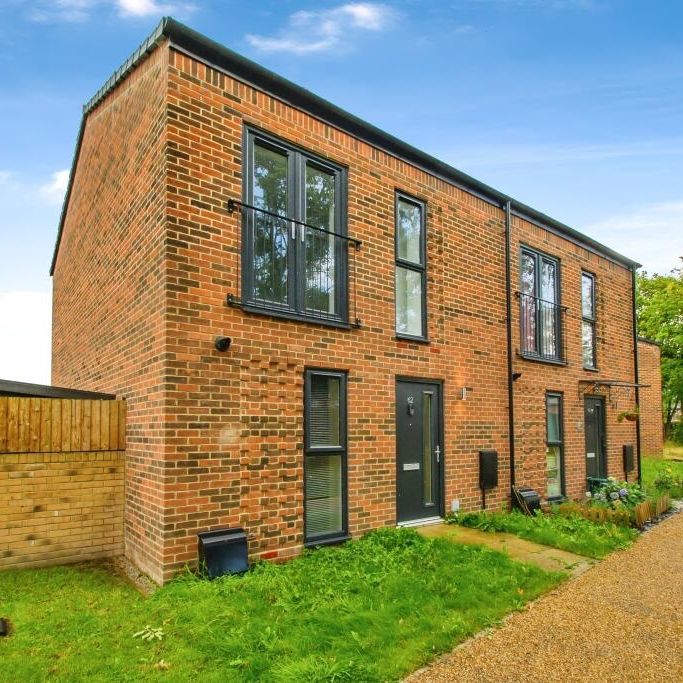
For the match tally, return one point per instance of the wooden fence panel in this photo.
(3, 425)
(45, 424)
(52, 425)
(12, 425)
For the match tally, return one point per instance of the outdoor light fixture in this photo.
(465, 392)
(516, 376)
(222, 343)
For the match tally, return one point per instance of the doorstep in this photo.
(426, 521)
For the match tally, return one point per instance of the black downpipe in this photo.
(635, 367)
(508, 313)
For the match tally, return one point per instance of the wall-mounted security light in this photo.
(222, 343)
(465, 392)
(516, 376)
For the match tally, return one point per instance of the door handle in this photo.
(293, 224)
(437, 452)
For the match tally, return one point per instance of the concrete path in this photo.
(544, 556)
(620, 621)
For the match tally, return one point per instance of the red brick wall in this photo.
(614, 355)
(220, 435)
(236, 419)
(650, 371)
(109, 286)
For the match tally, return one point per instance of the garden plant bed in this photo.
(606, 521)
(372, 610)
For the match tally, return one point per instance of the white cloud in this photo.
(307, 32)
(651, 235)
(54, 190)
(143, 8)
(81, 10)
(25, 336)
(4, 177)
(62, 10)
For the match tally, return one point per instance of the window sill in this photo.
(539, 359)
(290, 315)
(587, 369)
(333, 540)
(408, 338)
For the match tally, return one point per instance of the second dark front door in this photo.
(596, 464)
(418, 450)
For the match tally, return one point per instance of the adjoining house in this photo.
(317, 327)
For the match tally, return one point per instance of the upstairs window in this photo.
(411, 268)
(294, 232)
(540, 311)
(588, 321)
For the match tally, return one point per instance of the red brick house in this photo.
(388, 316)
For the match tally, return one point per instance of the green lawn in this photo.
(668, 472)
(572, 533)
(673, 450)
(371, 610)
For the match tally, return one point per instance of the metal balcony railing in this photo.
(294, 269)
(541, 328)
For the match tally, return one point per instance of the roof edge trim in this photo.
(145, 48)
(218, 56)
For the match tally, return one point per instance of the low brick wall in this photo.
(62, 505)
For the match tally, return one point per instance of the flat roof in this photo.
(217, 56)
(646, 340)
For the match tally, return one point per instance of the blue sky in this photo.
(572, 106)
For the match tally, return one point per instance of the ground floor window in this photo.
(554, 445)
(325, 455)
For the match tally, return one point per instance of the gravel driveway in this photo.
(620, 621)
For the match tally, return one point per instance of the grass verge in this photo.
(371, 610)
(662, 476)
(572, 533)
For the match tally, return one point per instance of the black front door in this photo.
(418, 450)
(594, 410)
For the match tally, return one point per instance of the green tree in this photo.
(660, 318)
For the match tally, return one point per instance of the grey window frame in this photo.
(297, 159)
(536, 354)
(421, 268)
(341, 450)
(592, 321)
(559, 395)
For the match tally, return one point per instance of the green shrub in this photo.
(617, 493)
(663, 476)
